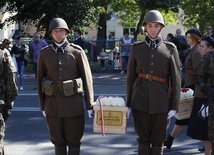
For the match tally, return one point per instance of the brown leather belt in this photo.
(152, 77)
(189, 71)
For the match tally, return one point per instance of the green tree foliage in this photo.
(77, 13)
(198, 13)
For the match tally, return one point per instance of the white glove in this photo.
(90, 113)
(43, 112)
(204, 111)
(128, 113)
(171, 113)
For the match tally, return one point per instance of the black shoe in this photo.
(168, 142)
(201, 149)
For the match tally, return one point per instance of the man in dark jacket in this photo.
(153, 69)
(78, 39)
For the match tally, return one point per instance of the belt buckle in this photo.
(148, 77)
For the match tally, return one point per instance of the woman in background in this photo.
(18, 51)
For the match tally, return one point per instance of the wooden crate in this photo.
(184, 108)
(115, 119)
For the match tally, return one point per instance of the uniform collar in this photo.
(153, 43)
(60, 49)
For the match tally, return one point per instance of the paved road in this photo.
(26, 132)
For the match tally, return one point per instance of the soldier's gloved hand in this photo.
(43, 112)
(6, 112)
(208, 91)
(90, 113)
(128, 113)
(171, 113)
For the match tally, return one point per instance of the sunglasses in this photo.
(209, 28)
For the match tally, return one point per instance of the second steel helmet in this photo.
(154, 16)
(58, 23)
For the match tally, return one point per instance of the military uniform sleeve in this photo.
(131, 76)
(85, 73)
(41, 73)
(9, 70)
(175, 77)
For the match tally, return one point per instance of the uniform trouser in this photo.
(66, 132)
(2, 133)
(211, 125)
(151, 129)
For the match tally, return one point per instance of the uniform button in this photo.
(152, 64)
(60, 69)
(60, 78)
(151, 72)
(152, 56)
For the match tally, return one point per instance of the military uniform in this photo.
(205, 77)
(148, 96)
(8, 91)
(61, 64)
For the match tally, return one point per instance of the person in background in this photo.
(193, 36)
(63, 75)
(198, 128)
(204, 80)
(151, 65)
(78, 39)
(209, 30)
(111, 59)
(18, 51)
(102, 58)
(126, 44)
(142, 35)
(8, 91)
(34, 49)
(116, 57)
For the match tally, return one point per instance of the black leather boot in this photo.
(156, 150)
(144, 149)
(168, 142)
(60, 150)
(74, 149)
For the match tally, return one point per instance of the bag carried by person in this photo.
(204, 111)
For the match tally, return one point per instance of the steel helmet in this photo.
(58, 23)
(153, 16)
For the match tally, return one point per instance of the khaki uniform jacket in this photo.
(152, 96)
(205, 72)
(8, 88)
(59, 66)
(191, 63)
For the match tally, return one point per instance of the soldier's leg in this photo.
(74, 129)
(158, 132)
(141, 125)
(2, 133)
(56, 130)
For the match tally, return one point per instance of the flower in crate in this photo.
(186, 93)
(110, 101)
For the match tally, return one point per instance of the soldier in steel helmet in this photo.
(63, 74)
(8, 91)
(153, 85)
